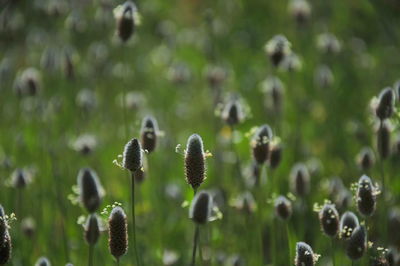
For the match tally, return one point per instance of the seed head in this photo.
(28, 83)
(92, 230)
(195, 164)
(5, 249)
(118, 232)
(323, 77)
(3, 225)
(357, 243)
(348, 223)
(328, 43)
(232, 112)
(43, 261)
(277, 49)
(366, 158)
(20, 178)
(300, 180)
(200, 209)
(329, 220)
(28, 227)
(366, 196)
(133, 155)
(260, 144)
(385, 106)
(300, 10)
(383, 140)
(216, 76)
(274, 92)
(275, 156)
(90, 190)
(149, 133)
(304, 255)
(283, 207)
(125, 17)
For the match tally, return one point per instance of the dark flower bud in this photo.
(357, 243)
(391, 256)
(216, 76)
(232, 113)
(366, 158)
(28, 227)
(5, 249)
(379, 261)
(283, 208)
(275, 156)
(148, 133)
(125, 17)
(118, 232)
(304, 255)
(277, 48)
(200, 209)
(329, 220)
(274, 93)
(90, 190)
(260, 144)
(92, 230)
(133, 155)
(385, 106)
(195, 164)
(20, 178)
(383, 140)
(300, 180)
(300, 10)
(348, 222)
(43, 261)
(366, 196)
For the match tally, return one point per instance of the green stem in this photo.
(90, 262)
(237, 159)
(195, 240)
(133, 218)
(118, 262)
(289, 243)
(333, 252)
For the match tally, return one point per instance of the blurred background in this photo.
(88, 92)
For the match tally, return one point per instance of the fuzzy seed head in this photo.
(232, 113)
(195, 164)
(329, 220)
(200, 209)
(5, 249)
(125, 17)
(366, 196)
(304, 255)
(43, 261)
(385, 107)
(148, 133)
(300, 180)
(366, 158)
(300, 10)
(357, 243)
(260, 144)
(283, 207)
(90, 190)
(275, 156)
(20, 178)
(277, 49)
(92, 230)
(133, 155)
(383, 140)
(274, 93)
(118, 232)
(348, 223)
(328, 43)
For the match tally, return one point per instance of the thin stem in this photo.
(289, 243)
(237, 159)
(333, 251)
(90, 262)
(118, 262)
(133, 217)
(352, 263)
(195, 240)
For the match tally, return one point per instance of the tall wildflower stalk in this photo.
(133, 161)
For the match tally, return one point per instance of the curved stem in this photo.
(195, 240)
(133, 217)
